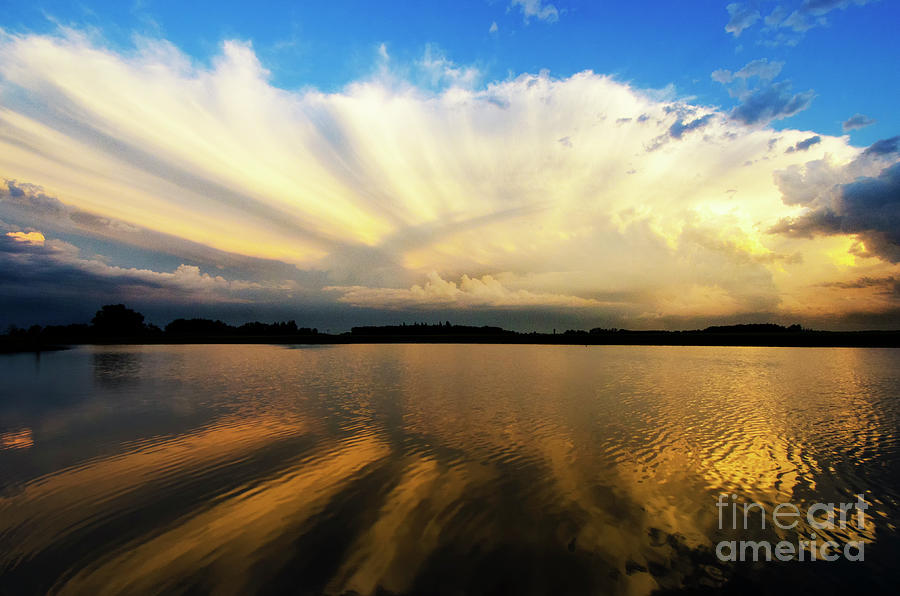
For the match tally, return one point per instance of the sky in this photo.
(521, 163)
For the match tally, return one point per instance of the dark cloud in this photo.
(50, 283)
(805, 144)
(889, 284)
(28, 271)
(761, 99)
(30, 206)
(32, 266)
(681, 109)
(679, 127)
(868, 207)
(817, 222)
(884, 147)
(31, 197)
(742, 17)
(771, 102)
(40, 207)
(857, 121)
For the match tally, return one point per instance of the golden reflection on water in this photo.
(411, 468)
(410, 526)
(228, 536)
(16, 439)
(41, 512)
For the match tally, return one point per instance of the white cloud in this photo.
(537, 9)
(742, 17)
(722, 75)
(486, 291)
(383, 182)
(761, 68)
(440, 71)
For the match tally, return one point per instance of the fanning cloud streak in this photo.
(581, 194)
(437, 292)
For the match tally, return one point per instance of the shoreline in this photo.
(803, 339)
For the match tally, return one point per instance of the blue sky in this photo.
(518, 162)
(849, 57)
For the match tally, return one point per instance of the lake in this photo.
(446, 469)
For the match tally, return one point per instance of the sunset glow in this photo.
(425, 183)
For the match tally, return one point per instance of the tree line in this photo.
(116, 321)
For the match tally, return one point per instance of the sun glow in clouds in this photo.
(35, 238)
(581, 193)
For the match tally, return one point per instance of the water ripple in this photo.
(416, 469)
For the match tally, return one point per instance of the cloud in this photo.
(761, 68)
(816, 183)
(778, 14)
(868, 207)
(889, 284)
(809, 14)
(856, 122)
(486, 291)
(884, 146)
(742, 17)
(537, 9)
(372, 187)
(30, 204)
(32, 196)
(32, 199)
(440, 71)
(771, 102)
(805, 144)
(33, 238)
(51, 267)
(762, 101)
(679, 128)
(722, 76)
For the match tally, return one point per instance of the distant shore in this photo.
(859, 339)
(115, 324)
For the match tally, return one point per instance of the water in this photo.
(438, 469)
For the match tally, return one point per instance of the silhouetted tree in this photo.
(200, 327)
(116, 320)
